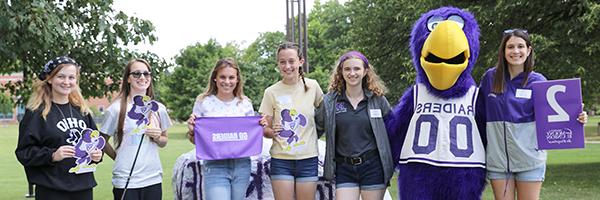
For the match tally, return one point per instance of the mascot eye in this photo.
(433, 21)
(459, 20)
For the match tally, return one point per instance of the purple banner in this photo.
(220, 138)
(557, 106)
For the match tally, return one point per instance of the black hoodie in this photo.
(39, 138)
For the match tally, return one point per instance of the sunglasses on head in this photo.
(509, 31)
(139, 74)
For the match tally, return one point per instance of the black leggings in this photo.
(153, 192)
(44, 193)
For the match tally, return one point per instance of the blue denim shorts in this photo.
(304, 170)
(367, 176)
(536, 174)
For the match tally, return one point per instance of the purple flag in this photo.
(220, 138)
(557, 106)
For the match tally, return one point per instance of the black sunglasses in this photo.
(139, 74)
(509, 31)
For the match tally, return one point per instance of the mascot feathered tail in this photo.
(437, 136)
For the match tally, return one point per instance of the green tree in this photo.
(564, 33)
(259, 65)
(32, 32)
(194, 65)
(6, 105)
(328, 28)
(381, 29)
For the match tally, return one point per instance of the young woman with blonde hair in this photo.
(55, 117)
(225, 179)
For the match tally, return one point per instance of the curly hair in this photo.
(371, 81)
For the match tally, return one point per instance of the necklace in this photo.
(61, 113)
(355, 99)
(74, 134)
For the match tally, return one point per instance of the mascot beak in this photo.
(445, 55)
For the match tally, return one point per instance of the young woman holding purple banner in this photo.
(225, 179)
(358, 154)
(56, 114)
(142, 180)
(514, 164)
(288, 107)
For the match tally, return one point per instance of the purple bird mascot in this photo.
(90, 140)
(436, 134)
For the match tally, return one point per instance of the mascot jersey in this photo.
(294, 109)
(443, 132)
(434, 128)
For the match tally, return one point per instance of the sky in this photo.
(180, 23)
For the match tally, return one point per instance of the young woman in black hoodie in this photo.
(56, 115)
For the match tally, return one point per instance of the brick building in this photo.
(96, 104)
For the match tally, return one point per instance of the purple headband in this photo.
(355, 54)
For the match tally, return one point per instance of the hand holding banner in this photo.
(220, 138)
(557, 105)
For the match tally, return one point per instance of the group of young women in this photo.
(351, 116)
(57, 114)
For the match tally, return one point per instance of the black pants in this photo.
(44, 193)
(153, 192)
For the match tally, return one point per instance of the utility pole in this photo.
(296, 25)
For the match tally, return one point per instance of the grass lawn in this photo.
(14, 183)
(571, 174)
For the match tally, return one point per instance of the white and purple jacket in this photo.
(510, 124)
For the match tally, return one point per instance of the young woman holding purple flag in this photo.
(514, 163)
(358, 155)
(225, 179)
(137, 172)
(288, 107)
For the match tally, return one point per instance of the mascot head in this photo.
(444, 44)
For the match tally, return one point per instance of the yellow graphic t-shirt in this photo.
(294, 109)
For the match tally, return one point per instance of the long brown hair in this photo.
(212, 89)
(502, 65)
(42, 94)
(371, 81)
(294, 46)
(124, 93)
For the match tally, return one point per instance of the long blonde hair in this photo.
(42, 94)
